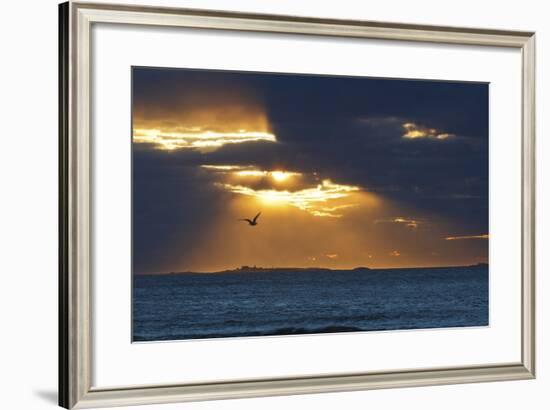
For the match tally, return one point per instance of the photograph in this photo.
(270, 204)
(275, 205)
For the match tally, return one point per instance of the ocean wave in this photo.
(271, 332)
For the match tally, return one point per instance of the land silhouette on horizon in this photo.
(259, 269)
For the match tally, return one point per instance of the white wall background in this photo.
(28, 206)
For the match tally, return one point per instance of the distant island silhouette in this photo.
(259, 269)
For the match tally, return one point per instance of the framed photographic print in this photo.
(255, 205)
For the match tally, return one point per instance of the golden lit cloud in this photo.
(395, 253)
(331, 255)
(277, 176)
(223, 168)
(312, 200)
(281, 176)
(304, 191)
(251, 171)
(461, 238)
(413, 130)
(201, 117)
(197, 138)
(410, 223)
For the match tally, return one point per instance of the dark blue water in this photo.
(192, 306)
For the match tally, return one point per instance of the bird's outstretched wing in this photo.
(256, 217)
(246, 220)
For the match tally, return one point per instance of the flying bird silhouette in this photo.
(252, 222)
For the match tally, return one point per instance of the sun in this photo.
(281, 176)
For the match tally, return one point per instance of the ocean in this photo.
(287, 302)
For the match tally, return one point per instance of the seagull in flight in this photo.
(252, 222)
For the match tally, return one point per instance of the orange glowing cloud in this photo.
(197, 138)
(306, 191)
(408, 222)
(413, 130)
(462, 238)
(202, 117)
(317, 201)
(250, 171)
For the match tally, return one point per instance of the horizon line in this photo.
(259, 268)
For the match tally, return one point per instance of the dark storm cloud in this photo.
(171, 198)
(348, 129)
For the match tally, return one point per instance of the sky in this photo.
(346, 171)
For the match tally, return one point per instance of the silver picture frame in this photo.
(75, 331)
